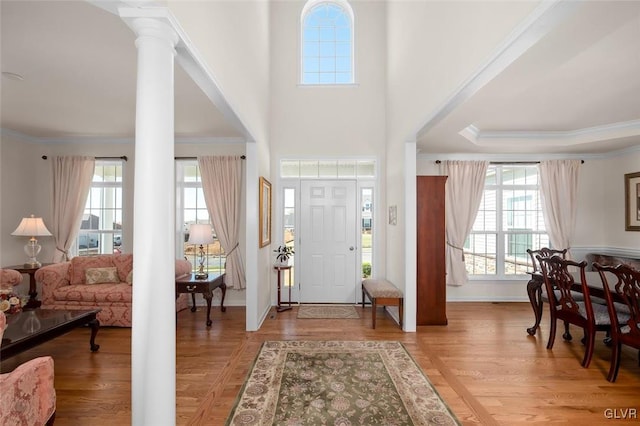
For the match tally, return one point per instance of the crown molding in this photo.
(528, 157)
(496, 138)
(97, 140)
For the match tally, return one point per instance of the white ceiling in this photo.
(79, 67)
(577, 90)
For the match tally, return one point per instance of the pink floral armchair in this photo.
(27, 395)
(9, 278)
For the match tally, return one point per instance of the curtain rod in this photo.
(244, 157)
(511, 162)
(123, 157)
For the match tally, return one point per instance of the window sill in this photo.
(332, 86)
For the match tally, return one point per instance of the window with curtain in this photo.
(192, 209)
(327, 43)
(509, 221)
(101, 227)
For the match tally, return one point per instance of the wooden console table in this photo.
(280, 271)
(205, 286)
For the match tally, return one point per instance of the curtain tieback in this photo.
(232, 250)
(457, 248)
(63, 251)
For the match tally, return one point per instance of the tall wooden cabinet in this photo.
(431, 269)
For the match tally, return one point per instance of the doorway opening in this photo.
(326, 211)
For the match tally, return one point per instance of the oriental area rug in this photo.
(338, 383)
(327, 311)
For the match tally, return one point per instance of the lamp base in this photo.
(32, 264)
(200, 276)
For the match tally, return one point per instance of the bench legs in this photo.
(384, 301)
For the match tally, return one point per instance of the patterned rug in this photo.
(327, 311)
(338, 383)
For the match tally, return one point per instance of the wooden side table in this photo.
(189, 284)
(33, 291)
(280, 271)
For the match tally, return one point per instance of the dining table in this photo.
(594, 282)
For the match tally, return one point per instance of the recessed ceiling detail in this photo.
(492, 138)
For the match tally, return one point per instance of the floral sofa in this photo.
(102, 281)
(27, 395)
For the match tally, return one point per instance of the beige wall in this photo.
(31, 193)
(601, 215)
(330, 122)
(599, 222)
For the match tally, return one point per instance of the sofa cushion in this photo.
(102, 275)
(124, 263)
(96, 293)
(79, 265)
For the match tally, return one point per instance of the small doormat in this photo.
(338, 383)
(327, 311)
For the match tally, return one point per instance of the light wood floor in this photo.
(484, 364)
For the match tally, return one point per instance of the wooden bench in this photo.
(383, 292)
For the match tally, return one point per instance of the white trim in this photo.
(191, 61)
(546, 17)
(551, 138)
(579, 252)
(410, 233)
(93, 139)
(529, 157)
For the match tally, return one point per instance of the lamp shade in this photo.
(31, 227)
(200, 234)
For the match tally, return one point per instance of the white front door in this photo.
(328, 241)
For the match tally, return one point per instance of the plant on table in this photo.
(283, 253)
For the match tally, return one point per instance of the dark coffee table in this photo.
(30, 328)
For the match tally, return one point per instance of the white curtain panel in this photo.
(222, 187)
(71, 183)
(559, 194)
(463, 193)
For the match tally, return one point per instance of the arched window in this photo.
(327, 42)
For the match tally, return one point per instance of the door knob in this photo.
(352, 248)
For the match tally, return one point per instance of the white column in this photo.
(153, 350)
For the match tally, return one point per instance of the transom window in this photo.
(509, 221)
(101, 227)
(327, 43)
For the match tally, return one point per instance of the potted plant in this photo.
(283, 253)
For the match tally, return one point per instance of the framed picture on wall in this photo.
(632, 201)
(265, 212)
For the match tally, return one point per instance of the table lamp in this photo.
(32, 227)
(200, 234)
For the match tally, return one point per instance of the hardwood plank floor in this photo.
(484, 365)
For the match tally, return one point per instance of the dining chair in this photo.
(538, 294)
(563, 305)
(626, 285)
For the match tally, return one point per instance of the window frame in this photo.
(181, 184)
(309, 7)
(500, 232)
(101, 245)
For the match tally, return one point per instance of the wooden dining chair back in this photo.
(544, 253)
(565, 307)
(624, 311)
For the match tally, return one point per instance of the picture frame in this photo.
(632, 201)
(265, 212)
